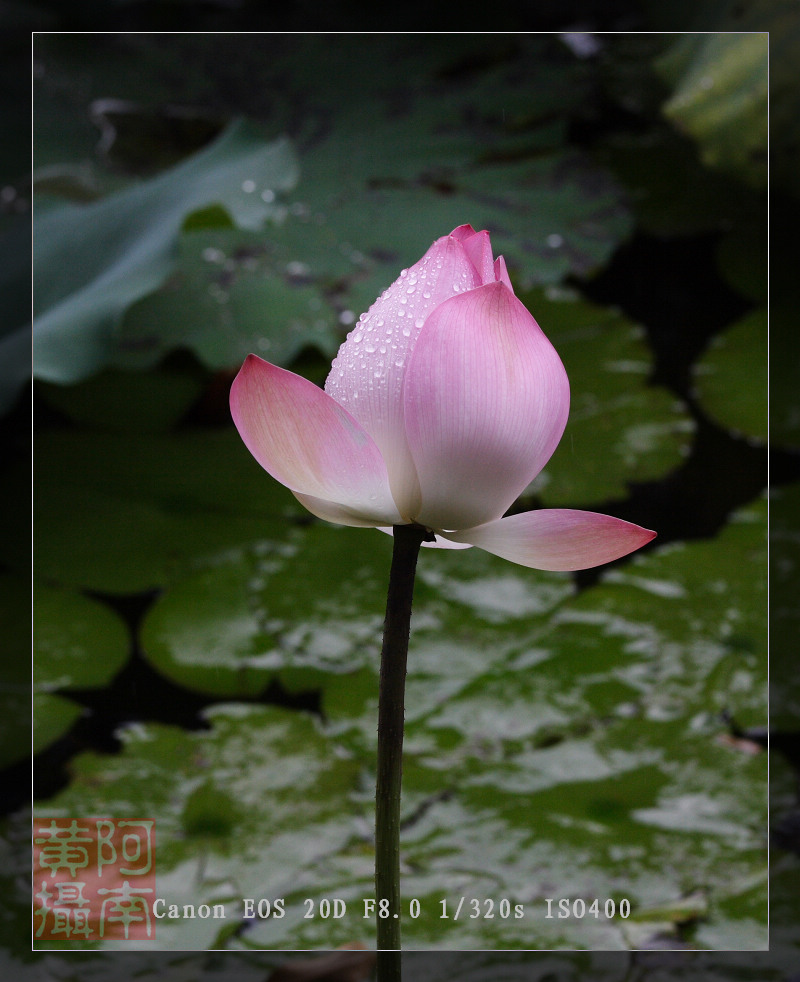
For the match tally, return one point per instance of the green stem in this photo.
(394, 655)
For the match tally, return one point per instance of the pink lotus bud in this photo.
(442, 405)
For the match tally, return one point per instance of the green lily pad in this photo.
(125, 513)
(292, 810)
(78, 643)
(230, 629)
(53, 716)
(620, 428)
(720, 97)
(589, 750)
(551, 738)
(233, 292)
(731, 377)
(92, 261)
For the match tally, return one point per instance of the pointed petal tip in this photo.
(558, 539)
(462, 232)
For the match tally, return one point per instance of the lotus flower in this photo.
(444, 402)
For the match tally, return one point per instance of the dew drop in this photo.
(406, 332)
(369, 346)
(419, 322)
(357, 337)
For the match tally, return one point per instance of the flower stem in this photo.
(394, 655)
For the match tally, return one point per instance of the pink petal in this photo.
(309, 443)
(501, 273)
(479, 249)
(368, 373)
(463, 232)
(330, 511)
(486, 402)
(557, 538)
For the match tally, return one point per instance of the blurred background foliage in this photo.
(201, 642)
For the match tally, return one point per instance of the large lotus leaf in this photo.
(731, 377)
(720, 98)
(309, 608)
(620, 428)
(445, 120)
(92, 261)
(251, 807)
(446, 117)
(434, 100)
(125, 513)
(236, 292)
